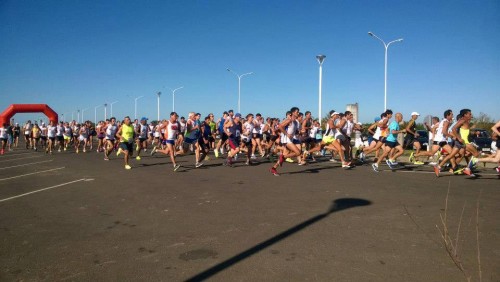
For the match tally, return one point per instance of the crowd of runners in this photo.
(297, 138)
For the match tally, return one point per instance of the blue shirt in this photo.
(393, 126)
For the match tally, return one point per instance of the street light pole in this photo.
(386, 46)
(95, 113)
(135, 111)
(83, 111)
(111, 105)
(78, 116)
(105, 111)
(173, 97)
(320, 59)
(158, 94)
(239, 85)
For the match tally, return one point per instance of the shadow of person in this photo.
(337, 205)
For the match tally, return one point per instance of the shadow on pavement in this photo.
(337, 205)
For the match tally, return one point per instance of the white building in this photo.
(354, 109)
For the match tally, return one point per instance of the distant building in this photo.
(354, 109)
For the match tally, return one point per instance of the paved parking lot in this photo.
(76, 217)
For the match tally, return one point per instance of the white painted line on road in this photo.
(410, 171)
(22, 175)
(10, 154)
(21, 158)
(25, 164)
(40, 190)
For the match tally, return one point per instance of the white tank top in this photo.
(111, 132)
(172, 130)
(439, 137)
(51, 131)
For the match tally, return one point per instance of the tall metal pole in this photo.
(78, 116)
(173, 97)
(239, 86)
(135, 108)
(105, 111)
(159, 94)
(111, 105)
(83, 111)
(95, 113)
(386, 46)
(320, 59)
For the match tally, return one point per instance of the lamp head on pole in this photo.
(159, 93)
(320, 58)
(370, 33)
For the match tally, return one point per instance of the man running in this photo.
(391, 142)
(126, 136)
(172, 128)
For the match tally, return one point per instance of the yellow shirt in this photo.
(127, 133)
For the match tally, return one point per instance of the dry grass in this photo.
(452, 246)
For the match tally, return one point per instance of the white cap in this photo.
(359, 123)
(335, 113)
(415, 114)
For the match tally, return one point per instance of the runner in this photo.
(126, 136)
(222, 134)
(51, 135)
(17, 132)
(141, 131)
(491, 159)
(191, 139)
(111, 128)
(35, 133)
(3, 137)
(412, 135)
(391, 142)
(27, 133)
(287, 129)
(172, 127)
(232, 127)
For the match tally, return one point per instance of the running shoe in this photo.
(2, 152)
(253, 157)
(137, 148)
(302, 163)
(153, 152)
(289, 160)
(274, 171)
(281, 159)
(375, 167)
(346, 165)
(305, 154)
(106, 158)
(418, 163)
(128, 167)
(84, 150)
(362, 156)
(437, 170)
(248, 162)
(77, 151)
(138, 158)
(176, 167)
(498, 169)
(119, 151)
(236, 157)
(333, 160)
(433, 163)
(389, 163)
(198, 164)
(411, 159)
(216, 153)
(472, 163)
(467, 171)
(394, 162)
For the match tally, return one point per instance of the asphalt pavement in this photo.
(76, 217)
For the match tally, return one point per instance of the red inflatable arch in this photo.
(27, 108)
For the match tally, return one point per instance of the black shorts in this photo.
(391, 144)
(223, 137)
(274, 138)
(127, 146)
(60, 138)
(52, 139)
(142, 139)
(441, 144)
(458, 145)
(257, 135)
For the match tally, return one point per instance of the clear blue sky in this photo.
(79, 54)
